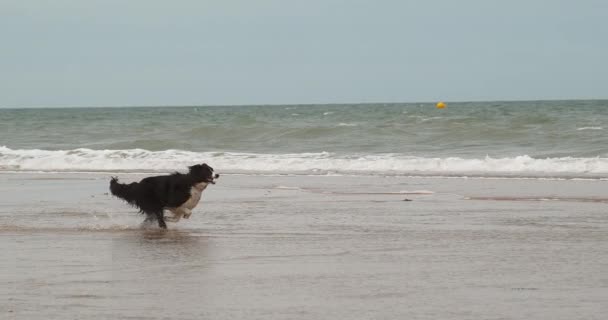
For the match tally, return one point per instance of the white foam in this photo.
(287, 188)
(417, 192)
(298, 163)
(590, 128)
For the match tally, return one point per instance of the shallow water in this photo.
(277, 247)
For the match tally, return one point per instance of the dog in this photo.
(179, 193)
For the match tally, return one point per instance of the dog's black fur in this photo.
(153, 194)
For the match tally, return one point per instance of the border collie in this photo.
(178, 193)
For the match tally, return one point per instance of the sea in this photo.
(512, 139)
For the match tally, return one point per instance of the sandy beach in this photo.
(307, 247)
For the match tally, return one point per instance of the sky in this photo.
(65, 53)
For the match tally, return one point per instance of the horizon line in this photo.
(294, 104)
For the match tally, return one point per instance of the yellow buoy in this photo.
(441, 105)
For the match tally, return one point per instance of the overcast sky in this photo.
(142, 52)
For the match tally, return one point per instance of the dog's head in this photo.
(203, 173)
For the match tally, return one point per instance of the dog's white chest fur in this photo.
(195, 196)
(185, 210)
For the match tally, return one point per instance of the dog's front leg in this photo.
(177, 214)
(174, 213)
(172, 219)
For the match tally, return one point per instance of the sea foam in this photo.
(138, 160)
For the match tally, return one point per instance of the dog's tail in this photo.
(126, 192)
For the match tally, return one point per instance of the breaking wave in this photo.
(140, 160)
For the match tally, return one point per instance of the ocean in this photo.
(537, 139)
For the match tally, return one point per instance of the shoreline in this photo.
(506, 176)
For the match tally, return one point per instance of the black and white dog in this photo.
(178, 193)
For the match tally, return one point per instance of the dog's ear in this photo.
(204, 165)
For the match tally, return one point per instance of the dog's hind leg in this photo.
(161, 218)
(155, 213)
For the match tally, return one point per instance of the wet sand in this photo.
(296, 247)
